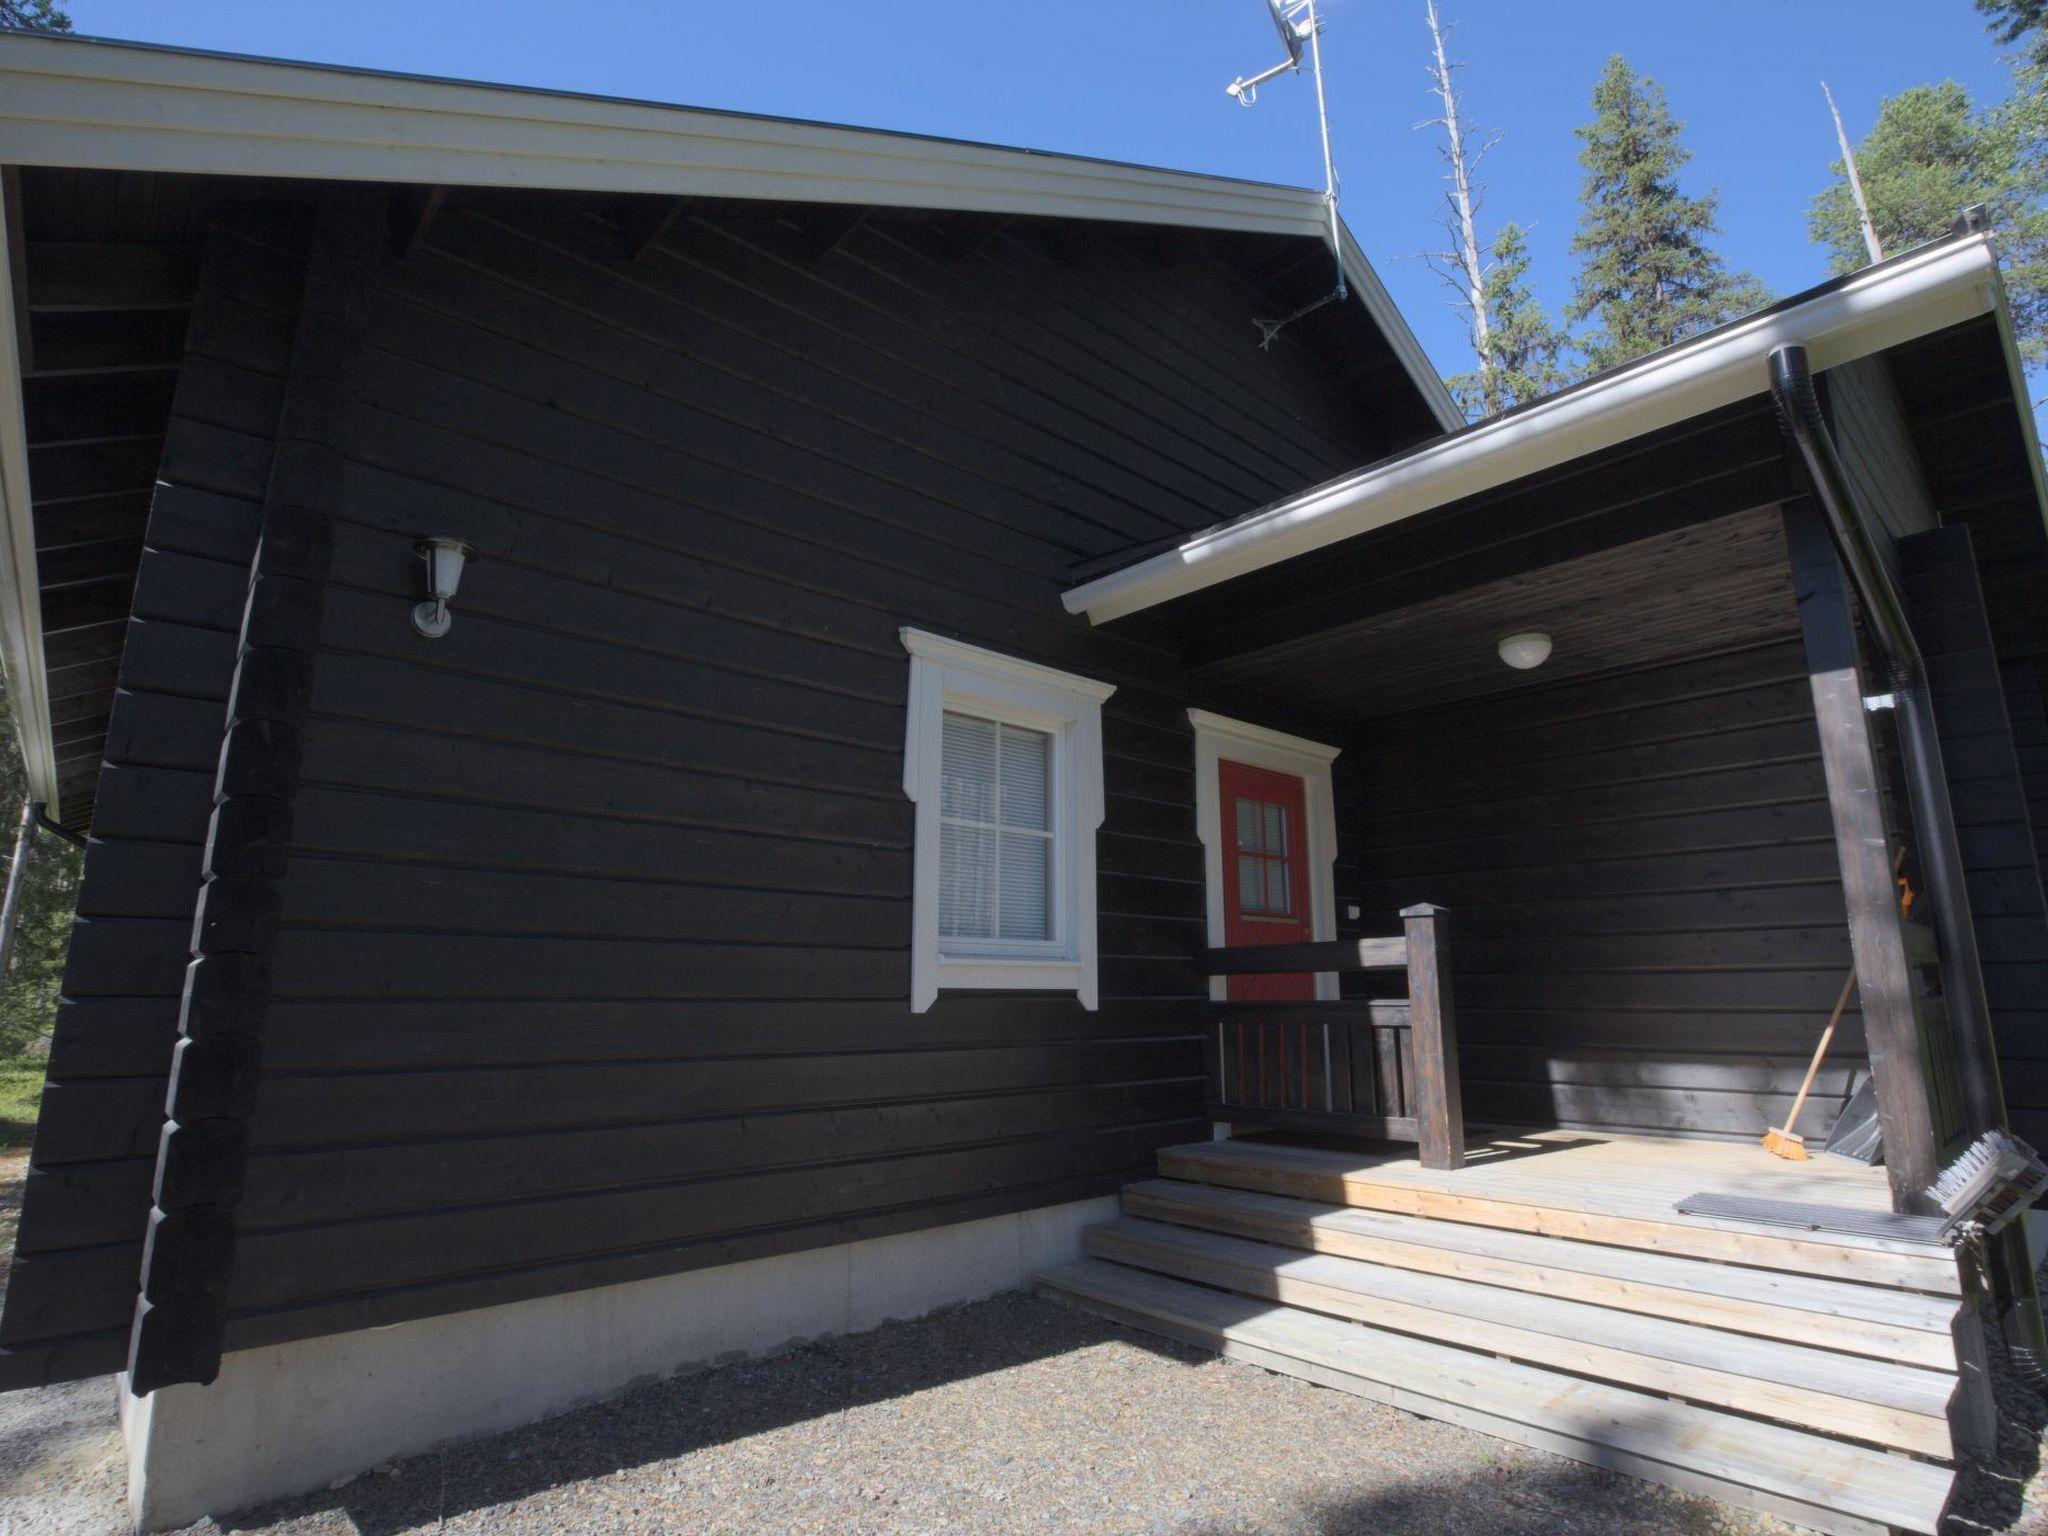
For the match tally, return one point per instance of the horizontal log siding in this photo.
(593, 958)
(71, 1293)
(1648, 922)
(1980, 743)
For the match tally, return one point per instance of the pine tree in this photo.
(2019, 204)
(33, 15)
(1647, 272)
(2014, 21)
(1932, 154)
(1522, 358)
(1927, 158)
(28, 989)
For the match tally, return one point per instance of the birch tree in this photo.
(1514, 344)
(1871, 244)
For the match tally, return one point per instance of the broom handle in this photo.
(1827, 1035)
(1820, 1051)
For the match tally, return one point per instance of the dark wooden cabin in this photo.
(614, 946)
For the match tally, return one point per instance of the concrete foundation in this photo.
(295, 1417)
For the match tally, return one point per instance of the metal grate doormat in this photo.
(1814, 1218)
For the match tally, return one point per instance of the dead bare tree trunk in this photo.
(1461, 222)
(17, 881)
(1870, 240)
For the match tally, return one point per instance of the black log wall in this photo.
(592, 961)
(71, 1292)
(1983, 726)
(1649, 926)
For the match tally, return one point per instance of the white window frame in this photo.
(951, 675)
(1219, 739)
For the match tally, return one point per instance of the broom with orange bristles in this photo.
(1785, 1142)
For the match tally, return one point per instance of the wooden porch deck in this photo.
(1548, 1293)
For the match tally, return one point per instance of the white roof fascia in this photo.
(21, 602)
(1910, 296)
(125, 106)
(1371, 292)
(97, 104)
(2016, 370)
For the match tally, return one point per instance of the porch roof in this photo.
(1927, 290)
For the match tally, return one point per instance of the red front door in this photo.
(1265, 873)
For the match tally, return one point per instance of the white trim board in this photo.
(949, 674)
(1910, 296)
(1219, 738)
(21, 599)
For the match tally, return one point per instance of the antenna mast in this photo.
(1299, 25)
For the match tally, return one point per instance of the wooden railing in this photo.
(1386, 1069)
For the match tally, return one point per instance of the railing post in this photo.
(1437, 1099)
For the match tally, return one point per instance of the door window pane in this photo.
(1276, 830)
(1277, 887)
(1249, 838)
(1265, 885)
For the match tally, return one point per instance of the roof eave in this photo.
(1926, 290)
(99, 104)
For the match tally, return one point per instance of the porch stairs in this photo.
(1807, 1375)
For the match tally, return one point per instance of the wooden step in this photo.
(1824, 1484)
(1524, 1199)
(1895, 1405)
(1877, 1321)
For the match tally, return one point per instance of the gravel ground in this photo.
(1010, 1415)
(2008, 1493)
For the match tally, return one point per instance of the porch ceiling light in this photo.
(444, 558)
(1530, 648)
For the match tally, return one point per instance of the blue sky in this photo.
(1143, 80)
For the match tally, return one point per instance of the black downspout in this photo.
(1941, 858)
(55, 830)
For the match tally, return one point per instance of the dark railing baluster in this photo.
(1346, 1066)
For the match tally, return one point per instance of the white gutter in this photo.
(2016, 370)
(1911, 296)
(88, 103)
(21, 602)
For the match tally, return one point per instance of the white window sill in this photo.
(982, 973)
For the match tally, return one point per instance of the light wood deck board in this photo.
(1896, 1405)
(1815, 1481)
(1875, 1321)
(1593, 1189)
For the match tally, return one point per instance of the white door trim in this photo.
(1219, 738)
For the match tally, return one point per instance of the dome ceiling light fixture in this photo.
(1525, 650)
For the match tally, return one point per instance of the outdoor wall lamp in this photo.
(1530, 648)
(444, 557)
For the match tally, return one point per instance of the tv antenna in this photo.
(1301, 30)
